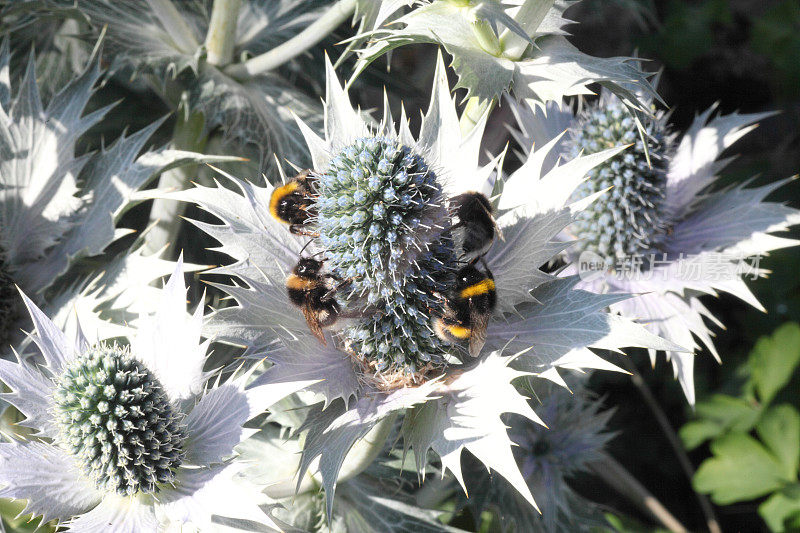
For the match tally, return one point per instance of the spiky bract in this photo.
(628, 219)
(116, 419)
(380, 219)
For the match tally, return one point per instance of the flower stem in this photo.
(295, 46)
(364, 452)
(175, 25)
(165, 214)
(221, 36)
(615, 475)
(674, 442)
(473, 112)
(529, 17)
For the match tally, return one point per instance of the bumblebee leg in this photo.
(300, 229)
(452, 227)
(342, 283)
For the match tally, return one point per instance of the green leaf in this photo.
(732, 414)
(779, 509)
(696, 432)
(774, 359)
(779, 429)
(741, 469)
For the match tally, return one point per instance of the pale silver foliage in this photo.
(58, 205)
(498, 47)
(164, 38)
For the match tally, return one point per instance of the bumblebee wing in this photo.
(497, 230)
(312, 319)
(479, 323)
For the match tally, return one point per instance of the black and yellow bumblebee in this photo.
(467, 308)
(313, 291)
(293, 203)
(478, 226)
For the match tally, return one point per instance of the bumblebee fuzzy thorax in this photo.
(293, 203)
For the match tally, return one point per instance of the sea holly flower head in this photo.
(116, 418)
(382, 225)
(381, 215)
(550, 458)
(663, 230)
(129, 437)
(629, 219)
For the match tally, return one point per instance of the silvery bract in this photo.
(517, 46)
(382, 212)
(164, 38)
(362, 503)
(660, 229)
(58, 206)
(130, 438)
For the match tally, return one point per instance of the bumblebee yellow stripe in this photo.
(278, 194)
(482, 287)
(296, 282)
(448, 331)
(458, 332)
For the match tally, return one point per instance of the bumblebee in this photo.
(313, 292)
(293, 203)
(467, 308)
(477, 223)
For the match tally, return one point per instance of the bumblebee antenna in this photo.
(303, 249)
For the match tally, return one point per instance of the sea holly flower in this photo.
(550, 458)
(663, 230)
(59, 205)
(382, 209)
(498, 47)
(129, 438)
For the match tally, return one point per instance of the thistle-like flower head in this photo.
(550, 458)
(381, 213)
(663, 230)
(127, 436)
(629, 219)
(117, 419)
(382, 224)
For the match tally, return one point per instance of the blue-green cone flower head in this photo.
(134, 438)
(117, 420)
(381, 214)
(703, 238)
(629, 219)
